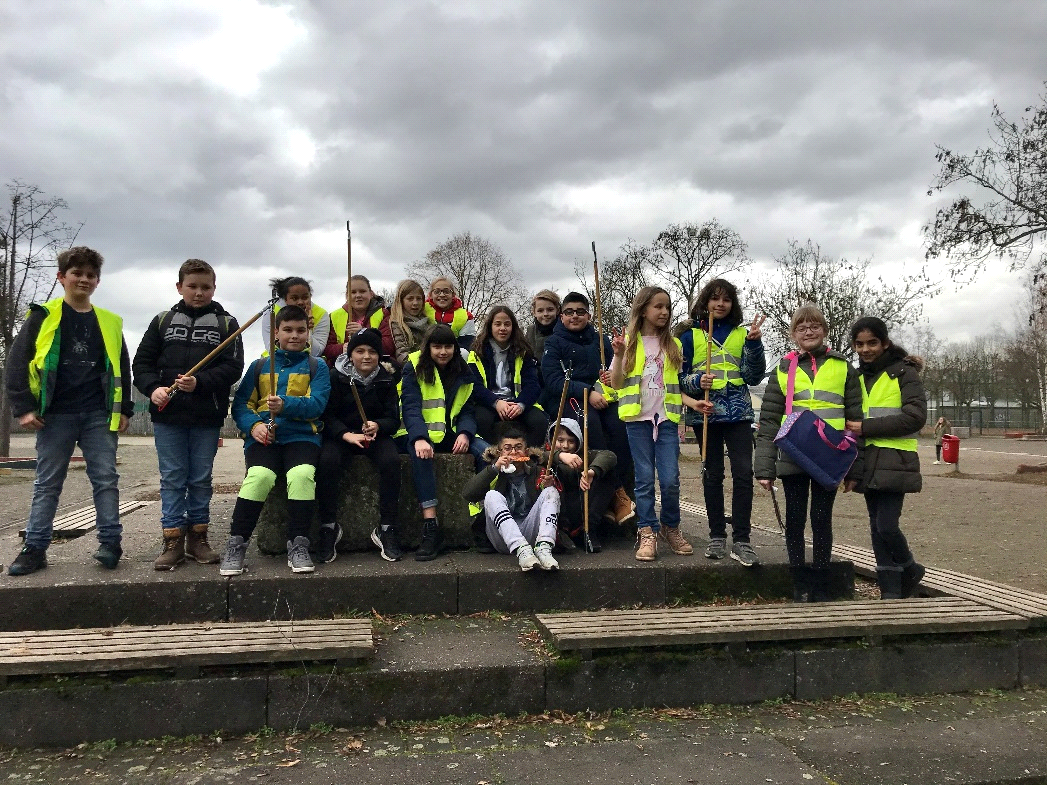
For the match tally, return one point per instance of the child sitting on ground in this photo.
(600, 481)
(521, 517)
(292, 447)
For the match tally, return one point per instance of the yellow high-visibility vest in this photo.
(824, 394)
(458, 321)
(726, 363)
(340, 320)
(434, 404)
(885, 400)
(629, 403)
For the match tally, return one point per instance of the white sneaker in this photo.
(937, 463)
(544, 552)
(525, 555)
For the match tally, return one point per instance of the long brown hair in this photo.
(666, 342)
(518, 344)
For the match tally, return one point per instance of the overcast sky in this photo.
(246, 133)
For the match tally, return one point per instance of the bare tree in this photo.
(481, 272)
(1032, 337)
(684, 256)
(620, 279)
(31, 235)
(1008, 212)
(842, 289)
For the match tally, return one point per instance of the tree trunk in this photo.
(5, 418)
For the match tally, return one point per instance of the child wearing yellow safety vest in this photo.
(363, 308)
(827, 385)
(645, 375)
(736, 362)
(294, 290)
(69, 380)
(505, 376)
(443, 306)
(895, 409)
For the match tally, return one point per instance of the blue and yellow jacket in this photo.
(304, 397)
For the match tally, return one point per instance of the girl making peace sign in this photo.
(737, 362)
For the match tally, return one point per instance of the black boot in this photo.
(481, 542)
(432, 540)
(911, 577)
(819, 586)
(801, 583)
(890, 583)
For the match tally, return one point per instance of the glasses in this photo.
(808, 329)
(513, 448)
(575, 312)
(442, 291)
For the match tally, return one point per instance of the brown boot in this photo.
(173, 553)
(646, 544)
(676, 540)
(196, 545)
(623, 507)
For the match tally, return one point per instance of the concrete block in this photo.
(77, 711)
(358, 506)
(666, 678)
(908, 667)
(696, 582)
(1032, 653)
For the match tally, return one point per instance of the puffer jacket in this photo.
(769, 462)
(888, 469)
(479, 484)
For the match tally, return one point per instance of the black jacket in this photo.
(380, 401)
(577, 350)
(888, 469)
(185, 337)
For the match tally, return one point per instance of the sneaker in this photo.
(677, 543)
(623, 507)
(528, 561)
(646, 544)
(330, 536)
(544, 552)
(388, 543)
(235, 554)
(432, 541)
(937, 463)
(717, 548)
(108, 555)
(28, 561)
(743, 553)
(298, 555)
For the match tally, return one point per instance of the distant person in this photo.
(187, 428)
(941, 428)
(895, 408)
(545, 308)
(445, 307)
(69, 379)
(828, 385)
(408, 322)
(294, 290)
(362, 308)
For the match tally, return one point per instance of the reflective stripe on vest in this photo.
(461, 316)
(726, 358)
(629, 404)
(476, 361)
(886, 394)
(434, 404)
(340, 320)
(44, 365)
(824, 395)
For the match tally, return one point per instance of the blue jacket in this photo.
(733, 403)
(577, 350)
(411, 403)
(530, 388)
(304, 398)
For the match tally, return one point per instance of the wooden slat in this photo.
(693, 626)
(82, 521)
(182, 645)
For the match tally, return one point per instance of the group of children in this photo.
(419, 378)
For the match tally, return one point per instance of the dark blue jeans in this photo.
(186, 457)
(54, 447)
(656, 450)
(424, 472)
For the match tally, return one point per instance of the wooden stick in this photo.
(359, 404)
(708, 367)
(272, 367)
(348, 257)
(585, 468)
(217, 350)
(559, 415)
(599, 309)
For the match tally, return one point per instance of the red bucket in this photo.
(950, 448)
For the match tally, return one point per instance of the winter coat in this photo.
(769, 462)
(457, 317)
(578, 350)
(174, 342)
(479, 484)
(536, 335)
(886, 468)
(335, 346)
(380, 401)
(733, 403)
(600, 461)
(408, 339)
(940, 430)
(529, 387)
(411, 402)
(304, 395)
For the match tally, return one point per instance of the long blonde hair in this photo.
(396, 312)
(668, 346)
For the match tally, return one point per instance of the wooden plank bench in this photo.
(80, 522)
(183, 647)
(740, 625)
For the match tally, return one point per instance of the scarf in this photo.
(344, 365)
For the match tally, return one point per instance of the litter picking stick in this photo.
(599, 309)
(359, 404)
(585, 473)
(348, 255)
(216, 351)
(271, 425)
(708, 366)
(559, 414)
(777, 509)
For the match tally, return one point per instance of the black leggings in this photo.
(533, 421)
(798, 487)
(937, 452)
(889, 544)
(335, 454)
(737, 437)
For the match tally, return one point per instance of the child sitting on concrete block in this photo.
(520, 515)
(601, 482)
(291, 447)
